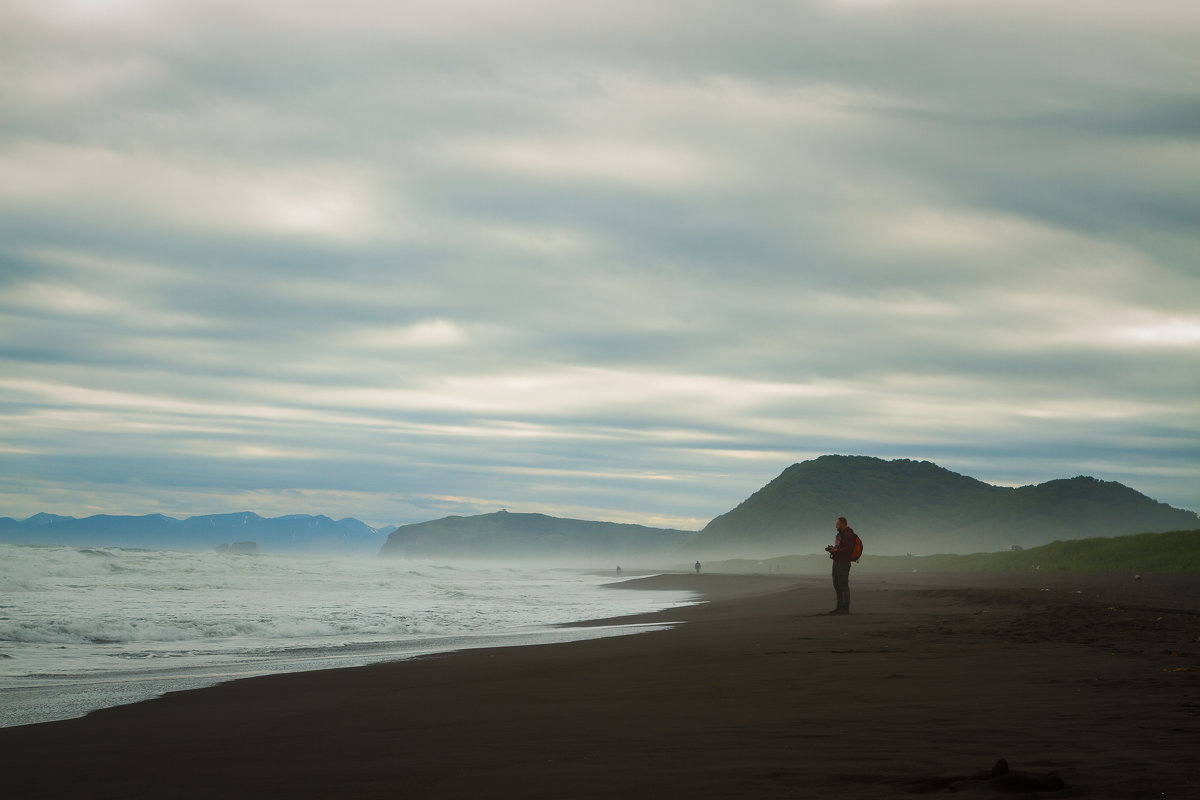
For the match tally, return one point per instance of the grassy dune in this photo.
(1178, 551)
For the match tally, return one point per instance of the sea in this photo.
(84, 628)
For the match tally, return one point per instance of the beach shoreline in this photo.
(81, 632)
(755, 692)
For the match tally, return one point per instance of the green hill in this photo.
(907, 506)
(532, 536)
(1175, 551)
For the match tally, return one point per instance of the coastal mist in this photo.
(88, 628)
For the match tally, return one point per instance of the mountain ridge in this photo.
(899, 506)
(291, 533)
(903, 505)
(503, 534)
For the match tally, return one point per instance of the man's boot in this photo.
(843, 604)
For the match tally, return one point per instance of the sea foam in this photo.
(83, 628)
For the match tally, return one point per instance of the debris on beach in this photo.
(999, 778)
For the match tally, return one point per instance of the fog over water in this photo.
(84, 628)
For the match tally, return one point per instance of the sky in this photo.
(622, 261)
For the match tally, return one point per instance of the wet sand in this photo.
(1086, 686)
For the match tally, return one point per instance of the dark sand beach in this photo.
(1088, 680)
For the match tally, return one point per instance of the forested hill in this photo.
(529, 536)
(907, 506)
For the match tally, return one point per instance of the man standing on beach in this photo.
(842, 552)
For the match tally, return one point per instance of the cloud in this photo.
(624, 262)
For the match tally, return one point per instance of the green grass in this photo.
(1178, 551)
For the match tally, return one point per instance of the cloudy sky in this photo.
(621, 260)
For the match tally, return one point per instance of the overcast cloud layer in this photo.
(620, 260)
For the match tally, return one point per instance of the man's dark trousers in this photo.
(841, 585)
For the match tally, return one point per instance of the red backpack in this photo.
(856, 551)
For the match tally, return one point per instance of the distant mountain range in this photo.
(907, 506)
(897, 507)
(295, 533)
(532, 536)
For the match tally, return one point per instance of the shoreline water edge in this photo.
(89, 628)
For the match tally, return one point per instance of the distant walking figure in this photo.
(842, 553)
(697, 567)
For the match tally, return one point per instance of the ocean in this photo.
(83, 628)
